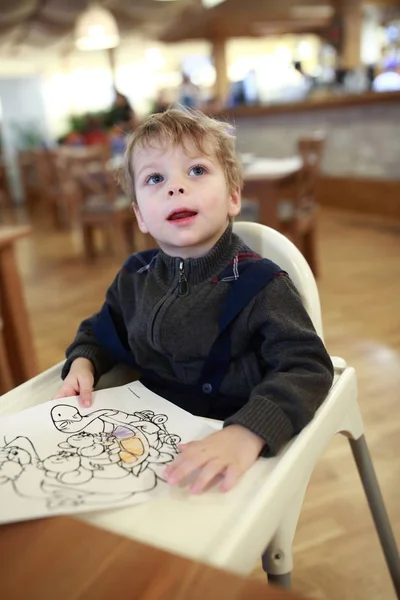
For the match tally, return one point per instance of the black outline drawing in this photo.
(128, 450)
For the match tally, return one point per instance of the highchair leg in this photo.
(373, 493)
(277, 560)
(284, 581)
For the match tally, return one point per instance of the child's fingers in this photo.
(85, 398)
(85, 390)
(183, 466)
(168, 469)
(183, 446)
(230, 478)
(206, 475)
(67, 390)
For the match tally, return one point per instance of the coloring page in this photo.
(59, 458)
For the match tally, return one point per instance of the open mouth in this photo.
(182, 214)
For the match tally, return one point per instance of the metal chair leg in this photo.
(277, 559)
(284, 581)
(373, 493)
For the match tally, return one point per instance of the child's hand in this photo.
(80, 381)
(228, 453)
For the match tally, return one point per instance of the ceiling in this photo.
(50, 23)
(242, 18)
(238, 18)
(45, 23)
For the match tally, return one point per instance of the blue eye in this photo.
(154, 179)
(197, 170)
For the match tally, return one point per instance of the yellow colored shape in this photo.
(127, 457)
(133, 445)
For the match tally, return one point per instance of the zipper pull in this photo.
(183, 286)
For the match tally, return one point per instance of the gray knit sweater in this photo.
(282, 382)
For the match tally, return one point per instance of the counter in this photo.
(362, 146)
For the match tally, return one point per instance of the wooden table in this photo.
(264, 178)
(16, 328)
(271, 168)
(65, 559)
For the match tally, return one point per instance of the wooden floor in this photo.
(336, 552)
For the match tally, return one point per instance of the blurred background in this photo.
(313, 88)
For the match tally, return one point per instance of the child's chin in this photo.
(182, 242)
(186, 237)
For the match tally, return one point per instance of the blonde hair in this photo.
(178, 127)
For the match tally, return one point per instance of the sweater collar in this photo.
(205, 267)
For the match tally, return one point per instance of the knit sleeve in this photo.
(297, 370)
(85, 344)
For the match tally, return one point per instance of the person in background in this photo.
(213, 105)
(117, 140)
(94, 133)
(161, 103)
(340, 76)
(189, 93)
(370, 74)
(122, 114)
(73, 138)
(236, 95)
(298, 66)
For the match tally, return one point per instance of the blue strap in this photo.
(253, 278)
(103, 325)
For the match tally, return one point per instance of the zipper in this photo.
(183, 286)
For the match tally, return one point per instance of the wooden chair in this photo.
(103, 206)
(66, 193)
(6, 379)
(297, 216)
(268, 189)
(27, 175)
(287, 201)
(41, 185)
(4, 191)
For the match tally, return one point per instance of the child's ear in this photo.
(235, 202)
(139, 218)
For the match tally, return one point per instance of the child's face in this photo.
(182, 198)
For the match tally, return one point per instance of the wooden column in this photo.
(352, 25)
(112, 61)
(219, 59)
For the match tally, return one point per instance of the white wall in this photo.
(21, 106)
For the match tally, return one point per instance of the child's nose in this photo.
(175, 190)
